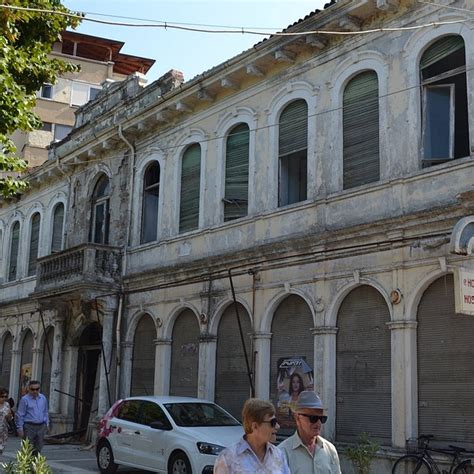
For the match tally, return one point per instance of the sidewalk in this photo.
(63, 458)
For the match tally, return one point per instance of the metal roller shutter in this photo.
(445, 366)
(291, 337)
(185, 355)
(6, 362)
(26, 363)
(143, 359)
(46, 369)
(363, 367)
(232, 383)
(190, 189)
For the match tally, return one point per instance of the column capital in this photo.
(126, 344)
(261, 335)
(402, 324)
(37, 350)
(207, 338)
(16, 351)
(162, 342)
(108, 304)
(324, 330)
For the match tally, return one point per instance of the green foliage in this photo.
(362, 454)
(26, 39)
(26, 462)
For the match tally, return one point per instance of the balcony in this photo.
(92, 267)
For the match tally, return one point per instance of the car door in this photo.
(124, 427)
(155, 430)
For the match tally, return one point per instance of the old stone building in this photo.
(328, 175)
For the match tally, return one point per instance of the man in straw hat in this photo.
(306, 450)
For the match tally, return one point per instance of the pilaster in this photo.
(262, 348)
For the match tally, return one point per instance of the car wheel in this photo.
(179, 464)
(105, 459)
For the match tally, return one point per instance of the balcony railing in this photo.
(87, 264)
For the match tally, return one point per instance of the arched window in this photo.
(292, 153)
(100, 211)
(143, 359)
(361, 163)
(444, 101)
(58, 228)
(14, 247)
(34, 243)
(190, 188)
(151, 195)
(237, 173)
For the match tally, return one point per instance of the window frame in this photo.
(146, 189)
(50, 88)
(96, 202)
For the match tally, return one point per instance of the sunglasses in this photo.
(273, 422)
(315, 418)
(35, 389)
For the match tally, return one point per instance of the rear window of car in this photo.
(199, 414)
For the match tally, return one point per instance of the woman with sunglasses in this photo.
(254, 453)
(5, 417)
(307, 451)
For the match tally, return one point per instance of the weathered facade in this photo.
(325, 172)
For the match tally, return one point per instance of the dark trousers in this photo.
(35, 433)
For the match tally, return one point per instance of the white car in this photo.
(164, 434)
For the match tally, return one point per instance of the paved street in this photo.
(63, 458)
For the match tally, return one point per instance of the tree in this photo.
(26, 39)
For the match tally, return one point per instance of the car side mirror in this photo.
(159, 425)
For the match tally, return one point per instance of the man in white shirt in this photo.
(306, 450)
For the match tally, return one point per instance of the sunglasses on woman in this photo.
(272, 422)
(315, 418)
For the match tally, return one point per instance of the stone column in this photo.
(36, 364)
(404, 381)
(162, 366)
(109, 306)
(207, 366)
(126, 370)
(15, 374)
(262, 348)
(325, 373)
(56, 367)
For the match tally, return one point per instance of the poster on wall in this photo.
(25, 377)
(294, 376)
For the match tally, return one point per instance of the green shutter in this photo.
(237, 173)
(293, 131)
(14, 246)
(58, 223)
(34, 243)
(190, 189)
(361, 162)
(440, 50)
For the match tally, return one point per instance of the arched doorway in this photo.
(26, 363)
(445, 366)
(291, 340)
(185, 355)
(87, 385)
(143, 360)
(6, 361)
(363, 367)
(232, 386)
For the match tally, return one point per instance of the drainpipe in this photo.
(124, 256)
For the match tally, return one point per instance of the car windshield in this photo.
(199, 414)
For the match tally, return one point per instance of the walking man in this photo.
(32, 420)
(306, 450)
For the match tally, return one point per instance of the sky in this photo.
(189, 52)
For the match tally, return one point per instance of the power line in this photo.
(237, 31)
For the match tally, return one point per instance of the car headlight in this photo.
(209, 448)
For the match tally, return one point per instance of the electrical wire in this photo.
(242, 30)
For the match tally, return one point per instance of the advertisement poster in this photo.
(294, 376)
(25, 377)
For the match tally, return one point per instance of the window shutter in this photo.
(190, 189)
(58, 222)
(34, 243)
(361, 130)
(6, 360)
(237, 173)
(293, 131)
(440, 50)
(14, 245)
